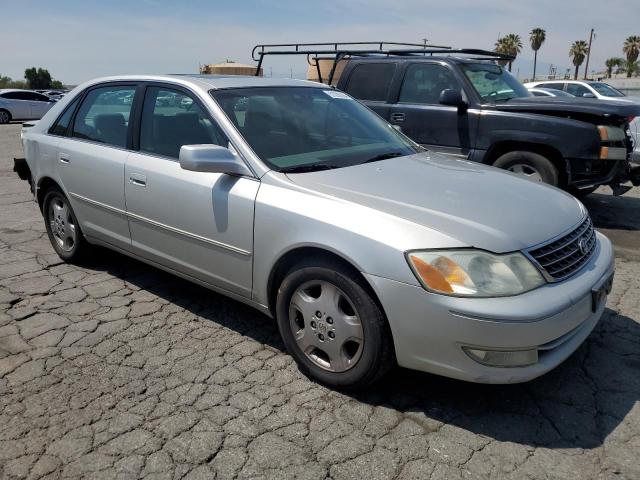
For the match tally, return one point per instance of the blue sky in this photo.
(79, 40)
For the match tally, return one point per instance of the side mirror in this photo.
(588, 95)
(452, 98)
(213, 159)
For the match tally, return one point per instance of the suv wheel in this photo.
(5, 117)
(332, 326)
(62, 227)
(531, 166)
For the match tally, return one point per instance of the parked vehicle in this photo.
(600, 91)
(306, 205)
(23, 105)
(549, 92)
(461, 103)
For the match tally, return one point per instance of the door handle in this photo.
(138, 180)
(397, 117)
(64, 158)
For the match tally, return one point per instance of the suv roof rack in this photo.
(339, 50)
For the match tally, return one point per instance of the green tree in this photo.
(631, 49)
(612, 62)
(510, 44)
(578, 52)
(37, 78)
(537, 36)
(57, 84)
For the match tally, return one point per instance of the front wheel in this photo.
(332, 326)
(529, 165)
(5, 117)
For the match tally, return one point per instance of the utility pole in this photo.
(425, 45)
(586, 67)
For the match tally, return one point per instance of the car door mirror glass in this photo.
(211, 158)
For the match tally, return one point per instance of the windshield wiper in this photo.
(309, 167)
(384, 156)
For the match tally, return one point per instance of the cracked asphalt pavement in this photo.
(114, 369)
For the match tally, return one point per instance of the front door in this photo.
(198, 223)
(92, 163)
(420, 115)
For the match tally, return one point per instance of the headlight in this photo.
(474, 273)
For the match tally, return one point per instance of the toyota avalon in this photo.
(292, 197)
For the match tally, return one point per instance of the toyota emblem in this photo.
(583, 245)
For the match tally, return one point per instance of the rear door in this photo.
(421, 116)
(91, 162)
(371, 83)
(40, 104)
(197, 223)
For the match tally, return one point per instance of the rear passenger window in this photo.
(423, 83)
(170, 119)
(104, 115)
(554, 86)
(62, 124)
(371, 81)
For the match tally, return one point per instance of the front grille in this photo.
(563, 257)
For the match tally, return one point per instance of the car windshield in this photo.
(606, 90)
(493, 83)
(304, 128)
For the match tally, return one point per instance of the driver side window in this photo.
(423, 83)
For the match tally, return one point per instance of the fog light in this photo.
(503, 358)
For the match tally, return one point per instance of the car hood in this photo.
(480, 206)
(567, 104)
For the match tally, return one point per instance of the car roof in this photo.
(208, 82)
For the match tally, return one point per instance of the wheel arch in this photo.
(43, 186)
(291, 257)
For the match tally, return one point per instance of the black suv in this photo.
(463, 103)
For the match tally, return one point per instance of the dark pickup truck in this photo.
(463, 103)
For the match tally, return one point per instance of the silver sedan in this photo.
(18, 104)
(294, 198)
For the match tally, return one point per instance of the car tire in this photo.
(530, 165)
(349, 345)
(5, 116)
(62, 227)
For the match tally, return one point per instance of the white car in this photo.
(23, 105)
(596, 90)
(549, 92)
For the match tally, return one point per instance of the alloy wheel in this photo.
(62, 226)
(326, 326)
(527, 171)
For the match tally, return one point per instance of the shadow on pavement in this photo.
(576, 405)
(609, 212)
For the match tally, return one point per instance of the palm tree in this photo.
(612, 62)
(578, 52)
(631, 49)
(509, 45)
(537, 36)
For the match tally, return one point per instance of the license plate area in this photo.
(599, 292)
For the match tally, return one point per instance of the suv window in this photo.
(104, 115)
(423, 83)
(577, 89)
(371, 81)
(170, 119)
(62, 124)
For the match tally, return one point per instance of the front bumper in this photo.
(429, 330)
